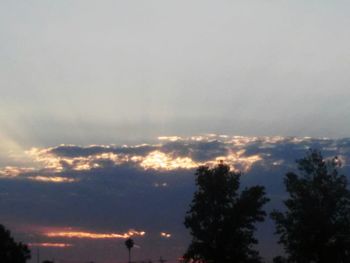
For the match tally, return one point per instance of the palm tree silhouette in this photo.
(129, 243)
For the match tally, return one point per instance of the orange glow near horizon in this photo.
(53, 245)
(52, 179)
(91, 235)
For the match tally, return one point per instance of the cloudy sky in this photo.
(94, 72)
(113, 73)
(77, 203)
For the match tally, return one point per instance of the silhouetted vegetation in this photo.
(280, 259)
(222, 220)
(316, 226)
(10, 250)
(129, 243)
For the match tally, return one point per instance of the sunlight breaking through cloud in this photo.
(237, 160)
(57, 164)
(91, 235)
(169, 138)
(156, 159)
(11, 172)
(160, 161)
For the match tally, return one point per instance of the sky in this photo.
(77, 204)
(114, 73)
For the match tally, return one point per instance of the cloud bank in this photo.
(91, 196)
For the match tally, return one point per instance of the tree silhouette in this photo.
(280, 259)
(316, 226)
(129, 243)
(221, 220)
(11, 251)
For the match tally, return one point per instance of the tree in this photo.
(222, 220)
(316, 224)
(11, 251)
(129, 243)
(279, 259)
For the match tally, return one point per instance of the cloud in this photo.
(161, 161)
(73, 164)
(92, 235)
(101, 191)
(52, 179)
(57, 164)
(165, 235)
(51, 245)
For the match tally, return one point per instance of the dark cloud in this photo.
(121, 194)
(78, 151)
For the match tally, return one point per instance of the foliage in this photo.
(11, 251)
(129, 243)
(280, 259)
(222, 220)
(316, 226)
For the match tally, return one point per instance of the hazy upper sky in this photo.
(111, 71)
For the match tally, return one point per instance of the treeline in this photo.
(313, 228)
(10, 250)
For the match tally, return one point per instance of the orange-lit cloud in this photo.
(48, 165)
(160, 161)
(52, 245)
(156, 159)
(165, 235)
(52, 179)
(237, 160)
(91, 235)
(10, 171)
(169, 138)
(55, 163)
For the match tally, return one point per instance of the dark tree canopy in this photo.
(316, 226)
(222, 220)
(129, 243)
(11, 251)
